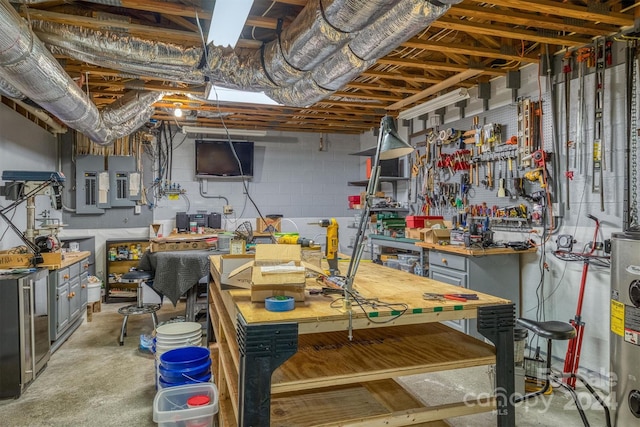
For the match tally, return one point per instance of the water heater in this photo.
(625, 327)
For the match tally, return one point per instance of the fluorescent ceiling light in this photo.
(227, 21)
(223, 94)
(434, 104)
(221, 131)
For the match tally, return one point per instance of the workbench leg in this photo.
(263, 347)
(496, 324)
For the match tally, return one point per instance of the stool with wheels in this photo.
(556, 330)
(139, 277)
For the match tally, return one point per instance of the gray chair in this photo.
(139, 277)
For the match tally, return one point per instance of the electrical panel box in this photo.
(91, 187)
(124, 181)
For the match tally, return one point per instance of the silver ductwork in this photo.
(328, 44)
(28, 66)
(314, 56)
(122, 52)
(6, 89)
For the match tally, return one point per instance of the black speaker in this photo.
(182, 221)
(215, 220)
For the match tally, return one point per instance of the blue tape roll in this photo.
(280, 303)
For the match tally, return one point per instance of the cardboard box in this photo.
(436, 235)
(228, 263)
(277, 270)
(457, 237)
(269, 224)
(185, 245)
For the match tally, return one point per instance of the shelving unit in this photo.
(123, 262)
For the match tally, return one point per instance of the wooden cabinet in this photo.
(67, 296)
(122, 255)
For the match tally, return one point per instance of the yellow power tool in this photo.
(331, 250)
(296, 240)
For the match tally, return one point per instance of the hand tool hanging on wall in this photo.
(598, 148)
(525, 125)
(584, 58)
(631, 222)
(566, 69)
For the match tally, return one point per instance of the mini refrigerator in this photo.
(24, 330)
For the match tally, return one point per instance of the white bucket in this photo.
(93, 291)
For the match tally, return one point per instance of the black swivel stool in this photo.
(555, 330)
(139, 277)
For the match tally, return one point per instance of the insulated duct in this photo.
(28, 66)
(314, 56)
(6, 89)
(122, 52)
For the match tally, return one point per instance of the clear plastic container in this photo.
(171, 408)
(406, 266)
(407, 258)
(392, 263)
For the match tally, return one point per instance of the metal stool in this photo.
(555, 330)
(139, 307)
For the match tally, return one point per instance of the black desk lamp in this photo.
(390, 146)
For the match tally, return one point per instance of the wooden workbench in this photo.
(299, 367)
(463, 250)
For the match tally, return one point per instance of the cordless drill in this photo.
(331, 250)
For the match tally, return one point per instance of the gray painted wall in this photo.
(24, 146)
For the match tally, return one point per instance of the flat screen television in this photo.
(214, 159)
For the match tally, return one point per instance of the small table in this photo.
(176, 273)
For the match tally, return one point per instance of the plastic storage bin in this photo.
(170, 407)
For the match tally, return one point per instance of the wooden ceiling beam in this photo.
(183, 22)
(143, 31)
(507, 32)
(445, 84)
(359, 95)
(262, 22)
(435, 65)
(564, 9)
(429, 45)
(528, 20)
(371, 86)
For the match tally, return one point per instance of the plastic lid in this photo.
(198, 400)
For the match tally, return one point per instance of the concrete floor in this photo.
(92, 381)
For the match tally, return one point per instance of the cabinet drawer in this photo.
(446, 260)
(452, 277)
(63, 275)
(74, 270)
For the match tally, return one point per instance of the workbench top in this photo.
(68, 259)
(463, 250)
(318, 313)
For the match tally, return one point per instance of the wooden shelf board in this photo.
(328, 359)
(358, 402)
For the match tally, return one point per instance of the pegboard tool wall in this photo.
(503, 110)
(507, 117)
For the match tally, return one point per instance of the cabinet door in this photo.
(84, 290)
(75, 296)
(62, 296)
(452, 277)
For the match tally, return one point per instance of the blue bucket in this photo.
(185, 357)
(185, 381)
(177, 374)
